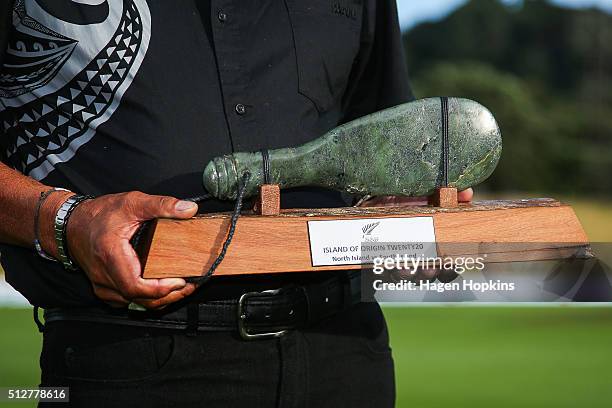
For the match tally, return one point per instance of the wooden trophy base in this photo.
(271, 240)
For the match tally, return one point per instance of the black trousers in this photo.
(343, 361)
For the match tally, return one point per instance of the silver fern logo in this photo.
(367, 231)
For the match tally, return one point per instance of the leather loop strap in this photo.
(445, 143)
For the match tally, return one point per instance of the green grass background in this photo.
(453, 356)
(446, 356)
(502, 357)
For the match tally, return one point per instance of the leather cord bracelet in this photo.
(60, 227)
(37, 244)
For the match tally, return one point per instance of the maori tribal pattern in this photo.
(67, 66)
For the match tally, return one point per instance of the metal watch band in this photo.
(37, 244)
(61, 221)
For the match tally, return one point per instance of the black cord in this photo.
(265, 156)
(135, 240)
(445, 147)
(230, 235)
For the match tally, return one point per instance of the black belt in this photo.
(255, 315)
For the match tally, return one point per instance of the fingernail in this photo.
(185, 206)
(174, 283)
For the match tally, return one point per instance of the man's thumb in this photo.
(169, 207)
(186, 207)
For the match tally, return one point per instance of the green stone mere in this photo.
(397, 151)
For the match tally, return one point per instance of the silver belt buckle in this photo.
(242, 316)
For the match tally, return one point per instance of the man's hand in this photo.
(98, 235)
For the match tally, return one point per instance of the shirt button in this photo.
(240, 109)
(222, 17)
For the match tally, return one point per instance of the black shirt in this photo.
(141, 94)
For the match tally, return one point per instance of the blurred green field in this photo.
(446, 356)
(596, 218)
(20, 345)
(594, 214)
(502, 357)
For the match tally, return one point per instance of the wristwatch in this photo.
(61, 222)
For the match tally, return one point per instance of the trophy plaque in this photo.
(431, 147)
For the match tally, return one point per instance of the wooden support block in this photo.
(268, 202)
(508, 231)
(444, 197)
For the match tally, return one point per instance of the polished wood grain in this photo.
(268, 201)
(529, 229)
(445, 197)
